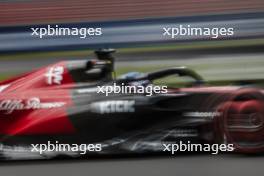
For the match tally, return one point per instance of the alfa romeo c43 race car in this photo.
(60, 103)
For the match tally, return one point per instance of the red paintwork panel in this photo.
(36, 103)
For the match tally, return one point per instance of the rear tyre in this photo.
(241, 122)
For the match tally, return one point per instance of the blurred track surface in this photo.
(190, 165)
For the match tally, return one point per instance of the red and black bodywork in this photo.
(60, 103)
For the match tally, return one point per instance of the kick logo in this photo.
(115, 106)
(54, 75)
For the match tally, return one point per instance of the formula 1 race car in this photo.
(66, 103)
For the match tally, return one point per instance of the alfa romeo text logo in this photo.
(33, 103)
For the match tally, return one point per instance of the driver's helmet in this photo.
(135, 75)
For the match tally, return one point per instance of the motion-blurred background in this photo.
(134, 28)
(24, 12)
